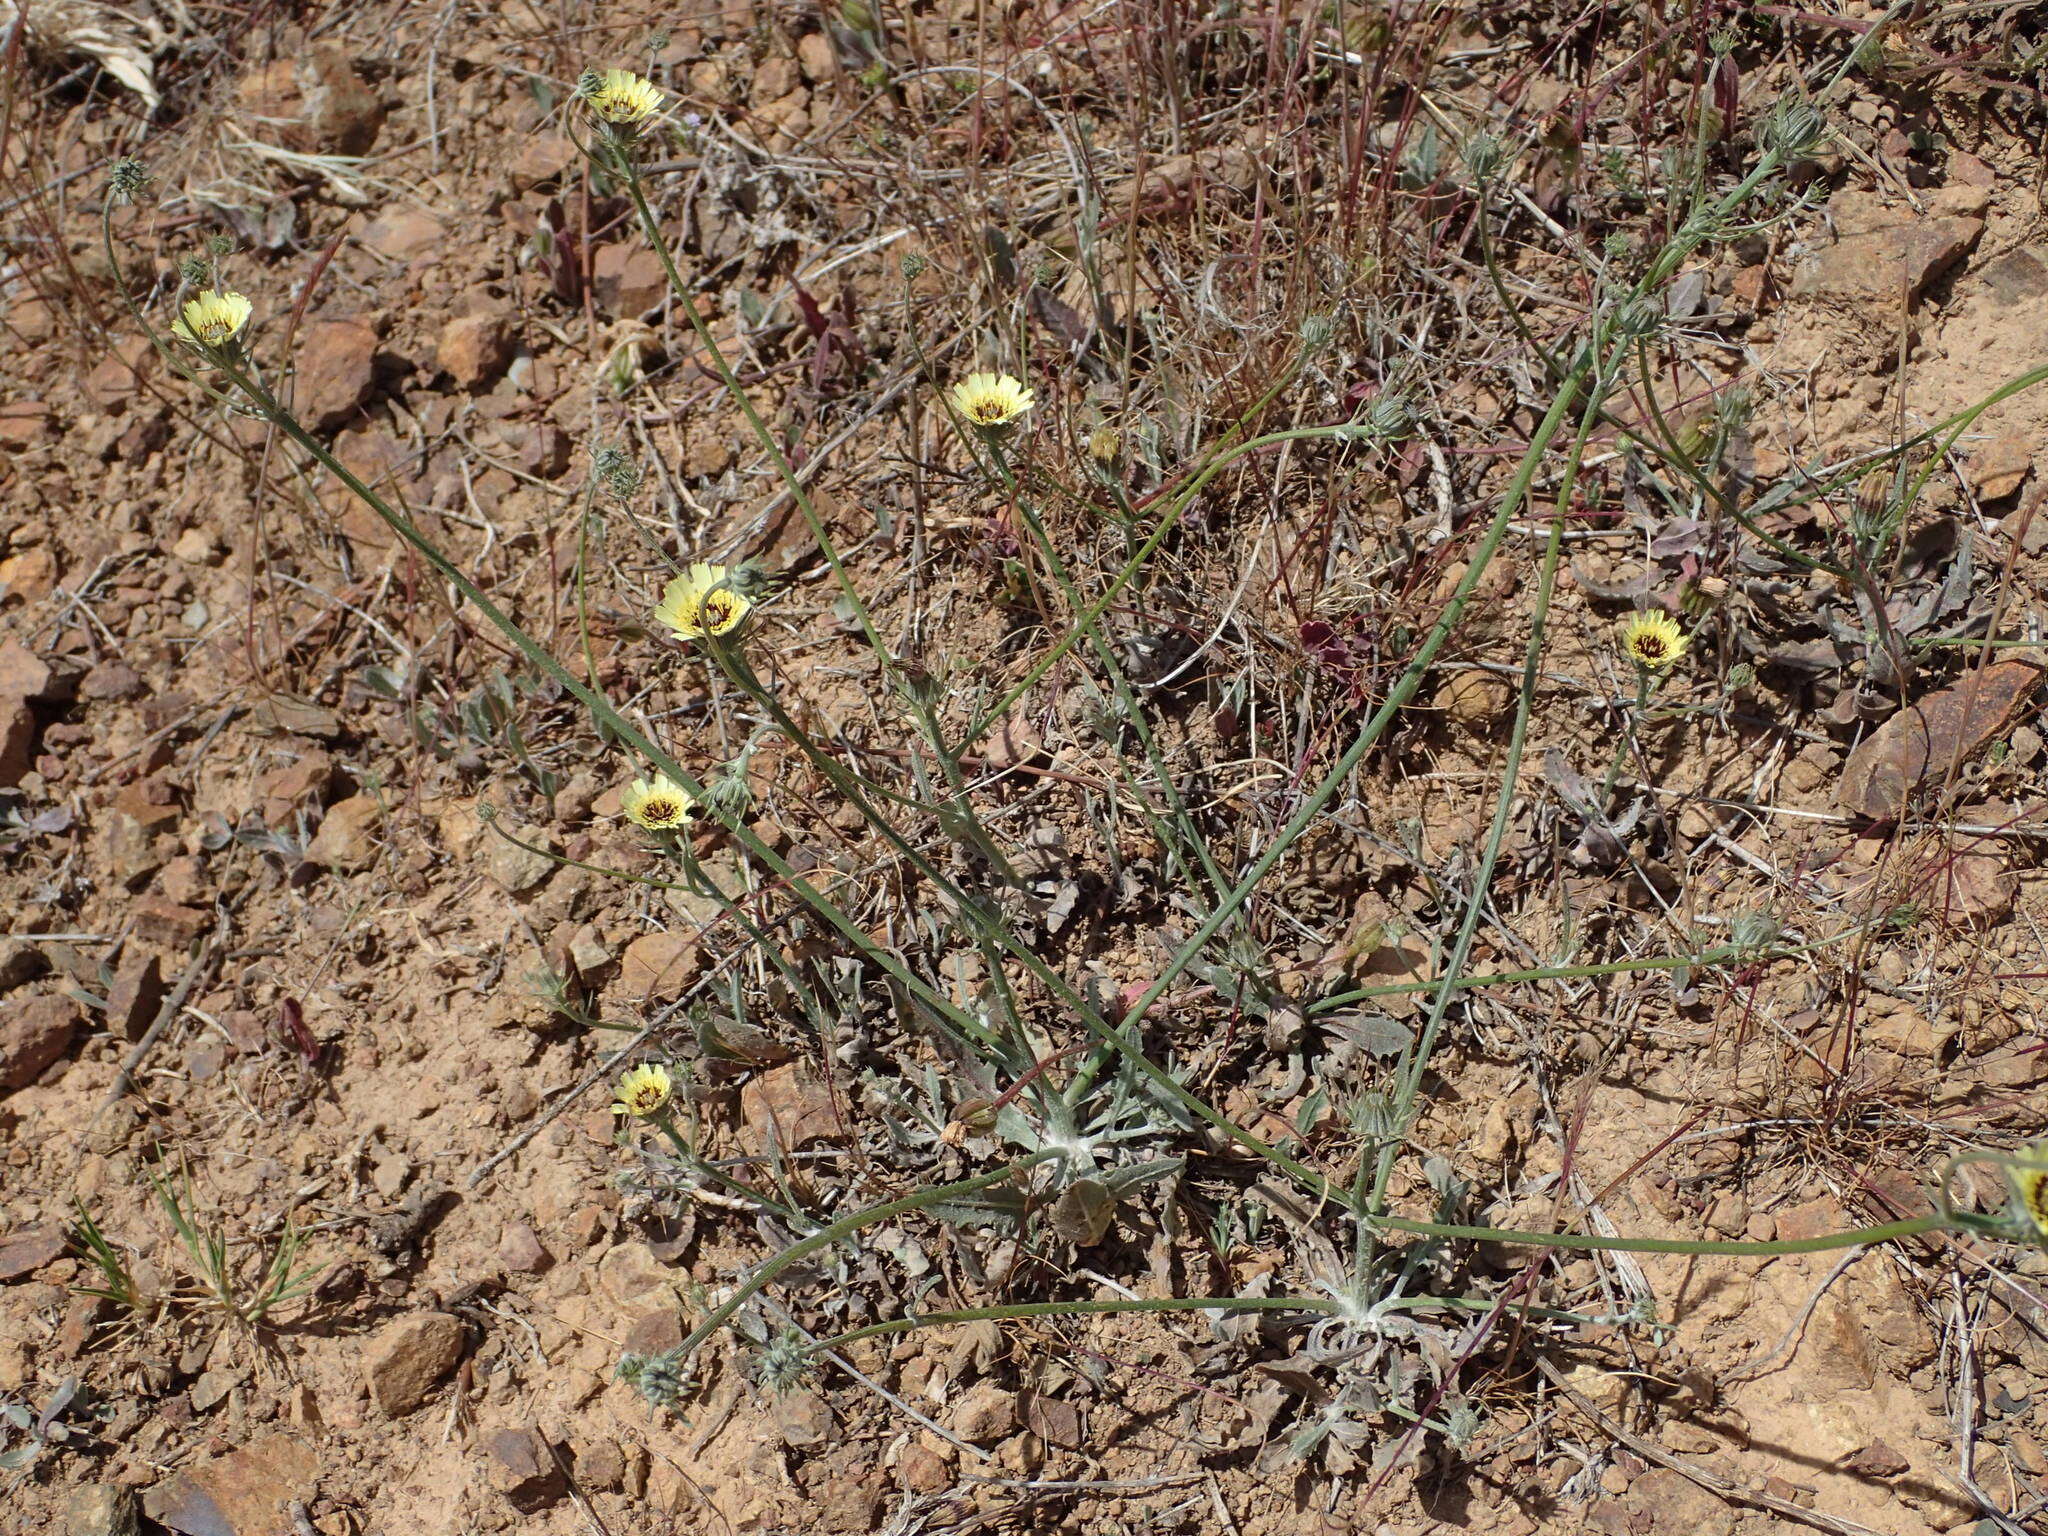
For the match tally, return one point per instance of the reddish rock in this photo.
(786, 1109)
(112, 680)
(335, 372)
(152, 802)
(1890, 265)
(1998, 468)
(30, 575)
(524, 1469)
(28, 1249)
(34, 1033)
(628, 280)
(138, 992)
(313, 102)
(409, 1358)
(347, 839)
(159, 920)
(541, 157)
(23, 424)
(519, 1248)
(25, 675)
(240, 1494)
(17, 740)
(658, 965)
(474, 349)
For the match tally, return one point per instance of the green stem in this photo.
(1934, 1221)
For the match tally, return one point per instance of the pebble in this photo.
(409, 1358)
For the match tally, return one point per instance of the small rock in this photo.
(1474, 699)
(519, 1248)
(984, 1415)
(34, 1033)
(25, 675)
(112, 680)
(30, 575)
(523, 1468)
(336, 372)
(1888, 266)
(541, 157)
(803, 1418)
(628, 280)
(1999, 468)
(921, 1471)
(17, 740)
(601, 1465)
(630, 1272)
(239, 1494)
(1665, 1501)
(474, 349)
(409, 1358)
(404, 233)
(28, 1249)
(101, 1509)
(786, 1109)
(159, 920)
(347, 839)
(815, 55)
(518, 869)
(137, 994)
(20, 962)
(658, 965)
(197, 546)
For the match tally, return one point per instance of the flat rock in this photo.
(786, 1109)
(1889, 265)
(28, 1249)
(404, 233)
(520, 1248)
(313, 101)
(159, 920)
(524, 1469)
(26, 675)
(34, 1033)
(409, 1358)
(101, 1509)
(243, 1493)
(516, 869)
(335, 372)
(347, 839)
(17, 740)
(137, 993)
(658, 965)
(1999, 467)
(474, 349)
(1923, 740)
(628, 280)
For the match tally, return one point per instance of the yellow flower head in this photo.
(704, 600)
(991, 399)
(212, 319)
(642, 1092)
(2030, 1185)
(620, 99)
(1653, 640)
(658, 804)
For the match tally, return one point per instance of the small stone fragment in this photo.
(101, 1509)
(520, 1248)
(984, 1415)
(1926, 738)
(347, 839)
(523, 1468)
(657, 965)
(34, 1033)
(159, 920)
(516, 869)
(28, 1249)
(336, 371)
(409, 1358)
(137, 993)
(240, 1494)
(474, 349)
